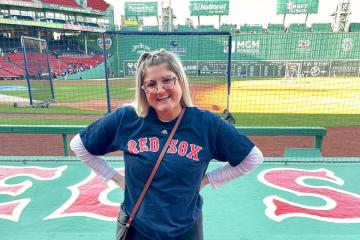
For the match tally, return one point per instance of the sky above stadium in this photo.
(245, 11)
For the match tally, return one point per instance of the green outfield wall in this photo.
(253, 55)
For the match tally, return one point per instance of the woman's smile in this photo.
(163, 91)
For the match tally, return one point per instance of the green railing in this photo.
(317, 132)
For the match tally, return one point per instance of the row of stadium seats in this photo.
(85, 61)
(68, 3)
(98, 5)
(354, 27)
(9, 71)
(56, 47)
(50, 20)
(12, 64)
(256, 28)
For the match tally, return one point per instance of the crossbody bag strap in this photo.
(153, 172)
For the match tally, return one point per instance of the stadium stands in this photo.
(228, 28)
(9, 71)
(68, 3)
(354, 27)
(99, 5)
(184, 28)
(57, 67)
(16, 58)
(298, 27)
(247, 28)
(206, 28)
(5, 74)
(321, 27)
(150, 28)
(88, 62)
(23, 18)
(275, 28)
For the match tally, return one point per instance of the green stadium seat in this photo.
(228, 28)
(256, 28)
(275, 28)
(184, 28)
(206, 28)
(298, 27)
(321, 27)
(150, 28)
(354, 27)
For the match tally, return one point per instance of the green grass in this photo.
(241, 120)
(33, 121)
(5, 108)
(76, 91)
(71, 91)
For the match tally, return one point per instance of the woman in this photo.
(171, 208)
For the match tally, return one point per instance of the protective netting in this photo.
(37, 71)
(204, 57)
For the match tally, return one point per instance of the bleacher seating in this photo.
(57, 67)
(68, 3)
(99, 5)
(85, 61)
(5, 74)
(321, 27)
(297, 27)
(206, 28)
(275, 28)
(227, 28)
(150, 28)
(26, 18)
(247, 28)
(9, 71)
(354, 27)
(16, 58)
(62, 21)
(184, 28)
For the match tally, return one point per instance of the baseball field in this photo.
(333, 103)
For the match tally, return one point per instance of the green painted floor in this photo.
(57, 198)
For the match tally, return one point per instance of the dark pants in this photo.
(194, 233)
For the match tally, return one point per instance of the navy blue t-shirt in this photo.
(172, 202)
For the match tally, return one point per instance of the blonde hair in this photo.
(148, 59)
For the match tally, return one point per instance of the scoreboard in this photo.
(262, 69)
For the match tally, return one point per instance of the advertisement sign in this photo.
(297, 6)
(108, 42)
(208, 8)
(141, 9)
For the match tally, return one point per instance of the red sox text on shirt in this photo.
(151, 144)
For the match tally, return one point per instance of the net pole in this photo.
(106, 73)
(50, 73)
(26, 69)
(229, 72)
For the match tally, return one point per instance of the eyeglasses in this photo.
(152, 85)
